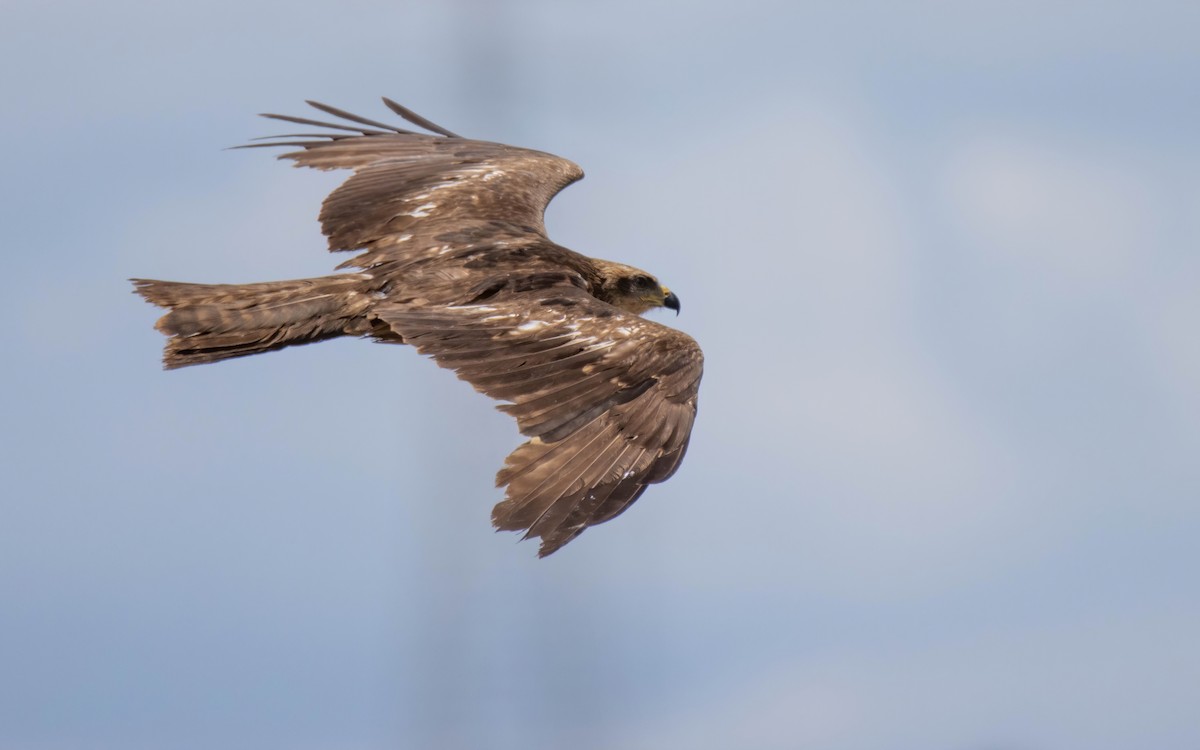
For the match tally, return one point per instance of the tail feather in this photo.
(212, 322)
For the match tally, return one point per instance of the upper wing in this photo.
(608, 399)
(411, 191)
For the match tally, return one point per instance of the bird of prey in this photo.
(454, 259)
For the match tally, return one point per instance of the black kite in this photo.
(455, 261)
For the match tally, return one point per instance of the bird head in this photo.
(633, 290)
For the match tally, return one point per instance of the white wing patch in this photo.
(420, 211)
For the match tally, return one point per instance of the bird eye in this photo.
(644, 281)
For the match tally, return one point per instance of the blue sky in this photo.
(942, 258)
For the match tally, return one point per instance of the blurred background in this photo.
(944, 261)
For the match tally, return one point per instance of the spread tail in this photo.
(212, 322)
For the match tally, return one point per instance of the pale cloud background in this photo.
(944, 260)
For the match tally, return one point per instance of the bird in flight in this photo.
(453, 258)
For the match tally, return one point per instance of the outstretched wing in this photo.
(607, 398)
(417, 195)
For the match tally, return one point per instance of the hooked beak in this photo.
(670, 301)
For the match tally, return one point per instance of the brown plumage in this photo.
(455, 261)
